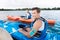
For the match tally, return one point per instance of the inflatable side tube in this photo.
(51, 22)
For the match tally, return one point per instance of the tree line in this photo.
(18, 9)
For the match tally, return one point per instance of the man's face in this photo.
(34, 14)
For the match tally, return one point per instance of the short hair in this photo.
(36, 8)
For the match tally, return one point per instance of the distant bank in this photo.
(19, 9)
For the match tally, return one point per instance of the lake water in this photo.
(47, 14)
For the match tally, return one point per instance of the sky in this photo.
(13, 4)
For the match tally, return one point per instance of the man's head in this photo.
(35, 12)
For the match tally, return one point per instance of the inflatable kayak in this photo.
(12, 28)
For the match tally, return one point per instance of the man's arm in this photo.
(32, 31)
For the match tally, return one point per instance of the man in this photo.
(37, 25)
(28, 14)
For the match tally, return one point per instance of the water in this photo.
(51, 14)
(47, 14)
